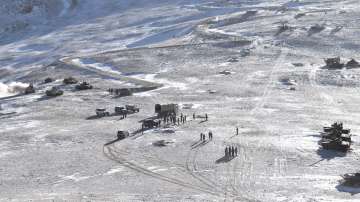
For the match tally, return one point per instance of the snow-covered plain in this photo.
(51, 149)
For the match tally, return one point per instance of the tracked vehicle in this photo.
(336, 138)
(54, 91)
(83, 86)
(70, 80)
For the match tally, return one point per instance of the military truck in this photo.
(83, 86)
(167, 109)
(120, 110)
(337, 145)
(101, 112)
(70, 80)
(132, 108)
(121, 134)
(54, 91)
(351, 179)
(30, 89)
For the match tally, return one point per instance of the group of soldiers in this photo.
(231, 151)
(203, 137)
(173, 119)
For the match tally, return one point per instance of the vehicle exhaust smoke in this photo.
(12, 88)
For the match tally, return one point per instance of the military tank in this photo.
(336, 138)
(83, 86)
(70, 80)
(351, 179)
(54, 91)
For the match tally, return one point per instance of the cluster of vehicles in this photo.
(119, 110)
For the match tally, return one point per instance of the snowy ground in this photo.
(53, 149)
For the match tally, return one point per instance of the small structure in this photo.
(70, 80)
(30, 89)
(101, 112)
(54, 91)
(334, 63)
(48, 80)
(166, 110)
(83, 86)
(121, 134)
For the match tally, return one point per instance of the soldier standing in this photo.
(237, 131)
(226, 151)
(206, 117)
(178, 120)
(194, 115)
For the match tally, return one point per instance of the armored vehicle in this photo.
(165, 110)
(338, 145)
(132, 108)
(70, 80)
(30, 89)
(101, 112)
(83, 86)
(48, 80)
(351, 179)
(54, 91)
(122, 134)
(334, 63)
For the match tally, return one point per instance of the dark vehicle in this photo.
(120, 110)
(83, 86)
(122, 134)
(101, 112)
(352, 64)
(30, 89)
(54, 91)
(149, 123)
(70, 80)
(165, 110)
(334, 63)
(351, 179)
(132, 108)
(336, 138)
(48, 80)
(335, 145)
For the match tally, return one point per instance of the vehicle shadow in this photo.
(328, 155)
(342, 187)
(224, 159)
